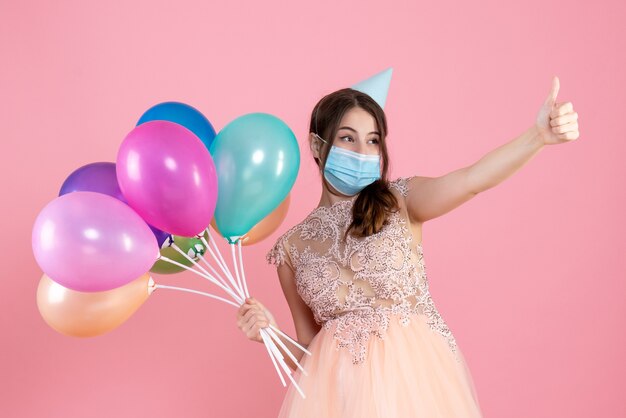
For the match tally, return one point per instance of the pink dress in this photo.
(383, 349)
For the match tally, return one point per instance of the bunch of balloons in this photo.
(114, 223)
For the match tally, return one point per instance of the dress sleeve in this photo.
(401, 184)
(279, 253)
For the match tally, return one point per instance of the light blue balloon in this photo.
(182, 114)
(257, 159)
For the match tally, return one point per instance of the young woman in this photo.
(354, 275)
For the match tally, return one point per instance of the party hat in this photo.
(376, 86)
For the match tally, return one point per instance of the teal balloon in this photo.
(257, 159)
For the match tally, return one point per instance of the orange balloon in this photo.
(87, 314)
(266, 226)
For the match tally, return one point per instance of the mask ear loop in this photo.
(315, 118)
(322, 139)
(316, 130)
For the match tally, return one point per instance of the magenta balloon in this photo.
(167, 175)
(89, 241)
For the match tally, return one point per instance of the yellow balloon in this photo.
(87, 314)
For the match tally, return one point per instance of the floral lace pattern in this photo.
(358, 284)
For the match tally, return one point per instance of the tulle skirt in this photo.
(412, 372)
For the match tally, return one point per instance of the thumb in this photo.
(551, 99)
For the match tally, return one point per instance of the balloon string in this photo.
(286, 368)
(243, 273)
(266, 333)
(221, 264)
(213, 279)
(161, 286)
(208, 247)
(272, 334)
(223, 268)
(232, 252)
(221, 259)
(267, 344)
(169, 260)
(290, 339)
(215, 273)
(218, 252)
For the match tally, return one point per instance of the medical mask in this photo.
(350, 172)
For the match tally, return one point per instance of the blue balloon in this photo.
(257, 159)
(182, 114)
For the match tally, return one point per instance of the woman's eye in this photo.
(375, 141)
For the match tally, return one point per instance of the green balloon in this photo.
(257, 159)
(193, 247)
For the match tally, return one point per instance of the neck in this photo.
(328, 199)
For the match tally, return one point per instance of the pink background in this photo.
(529, 275)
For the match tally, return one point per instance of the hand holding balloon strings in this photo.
(239, 291)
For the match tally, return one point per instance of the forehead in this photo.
(359, 119)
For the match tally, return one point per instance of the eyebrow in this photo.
(349, 128)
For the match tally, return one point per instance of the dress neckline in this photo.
(346, 202)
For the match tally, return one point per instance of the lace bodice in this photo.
(357, 284)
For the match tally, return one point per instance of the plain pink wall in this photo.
(529, 275)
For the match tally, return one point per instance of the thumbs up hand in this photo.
(557, 122)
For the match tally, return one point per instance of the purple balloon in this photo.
(167, 175)
(101, 177)
(160, 236)
(95, 177)
(91, 242)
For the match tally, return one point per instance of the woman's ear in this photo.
(315, 145)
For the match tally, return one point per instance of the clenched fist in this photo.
(252, 316)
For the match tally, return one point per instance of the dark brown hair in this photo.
(376, 201)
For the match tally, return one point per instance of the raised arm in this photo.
(430, 197)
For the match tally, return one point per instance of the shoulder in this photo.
(402, 184)
(279, 251)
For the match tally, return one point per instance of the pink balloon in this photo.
(90, 242)
(167, 175)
